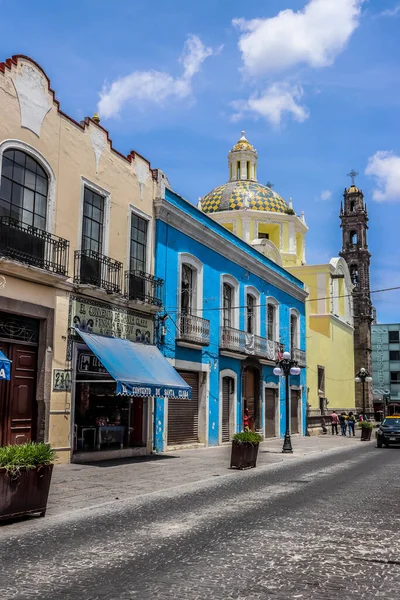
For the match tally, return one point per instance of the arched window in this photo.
(24, 189)
(352, 204)
(227, 305)
(190, 285)
(188, 290)
(250, 314)
(294, 331)
(353, 237)
(272, 320)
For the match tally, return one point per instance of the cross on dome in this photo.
(353, 174)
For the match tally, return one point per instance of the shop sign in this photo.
(89, 363)
(62, 380)
(114, 321)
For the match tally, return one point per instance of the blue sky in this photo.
(315, 85)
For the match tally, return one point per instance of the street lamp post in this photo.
(363, 376)
(286, 367)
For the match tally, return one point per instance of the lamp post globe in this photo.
(362, 377)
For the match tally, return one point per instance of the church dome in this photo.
(235, 195)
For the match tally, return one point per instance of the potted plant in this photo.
(25, 475)
(245, 450)
(366, 430)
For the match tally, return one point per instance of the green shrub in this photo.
(249, 437)
(28, 456)
(365, 425)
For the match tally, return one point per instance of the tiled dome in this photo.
(239, 194)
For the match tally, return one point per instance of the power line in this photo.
(174, 309)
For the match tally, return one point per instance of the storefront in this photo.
(117, 373)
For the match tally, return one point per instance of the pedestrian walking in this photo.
(351, 421)
(334, 423)
(343, 423)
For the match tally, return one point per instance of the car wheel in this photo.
(386, 445)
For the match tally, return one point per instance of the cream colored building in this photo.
(76, 229)
(259, 215)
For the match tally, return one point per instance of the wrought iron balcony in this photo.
(143, 287)
(299, 356)
(33, 246)
(193, 329)
(242, 342)
(92, 268)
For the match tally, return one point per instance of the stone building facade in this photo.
(354, 224)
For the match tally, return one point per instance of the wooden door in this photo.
(249, 395)
(270, 406)
(18, 399)
(294, 411)
(226, 387)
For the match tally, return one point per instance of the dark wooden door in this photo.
(226, 389)
(270, 404)
(183, 414)
(18, 398)
(294, 411)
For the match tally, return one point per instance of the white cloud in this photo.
(312, 36)
(271, 104)
(155, 86)
(326, 195)
(385, 167)
(391, 12)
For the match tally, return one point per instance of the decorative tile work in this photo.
(239, 194)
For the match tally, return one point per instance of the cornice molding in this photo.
(174, 216)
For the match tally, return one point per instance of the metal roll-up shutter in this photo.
(183, 414)
(226, 382)
(294, 411)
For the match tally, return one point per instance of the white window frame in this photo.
(86, 183)
(294, 312)
(233, 403)
(252, 291)
(188, 259)
(51, 191)
(226, 278)
(150, 234)
(274, 302)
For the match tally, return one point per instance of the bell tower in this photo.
(354, 224)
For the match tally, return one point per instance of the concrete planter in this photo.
(25, 492)
(366, 434)
(244, 455)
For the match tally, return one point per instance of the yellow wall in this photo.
(228, 226)
(272, 230)
(330, 342)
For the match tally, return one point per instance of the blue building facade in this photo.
(228, 313)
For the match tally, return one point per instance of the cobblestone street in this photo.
(323, 525)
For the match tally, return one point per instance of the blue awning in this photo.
(138, 369)
(5, 367)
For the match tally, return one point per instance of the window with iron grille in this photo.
(138, 256)
(227, 305)
(93, 221)
(23, 190)
(321, 380)
(271, 324)
(250, 313)
(187, 281)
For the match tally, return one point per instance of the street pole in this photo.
(287, 444)
(363, 376)
(363, 394)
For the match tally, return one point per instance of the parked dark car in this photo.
(388, 432)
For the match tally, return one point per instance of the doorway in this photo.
(227, 389)
(251, 396)
(270, 411)
(294, 411)
(18, 407)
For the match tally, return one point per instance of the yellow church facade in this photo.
(260, 216)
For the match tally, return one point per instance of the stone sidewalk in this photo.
(78, 486)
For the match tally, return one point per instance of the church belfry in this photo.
(354, 224)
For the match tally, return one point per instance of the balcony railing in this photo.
(92, 268)
(193, 329)
(33, 246)
(299, 356)
(144, 287)
(241, 342)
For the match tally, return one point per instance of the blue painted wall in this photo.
(169, 243)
